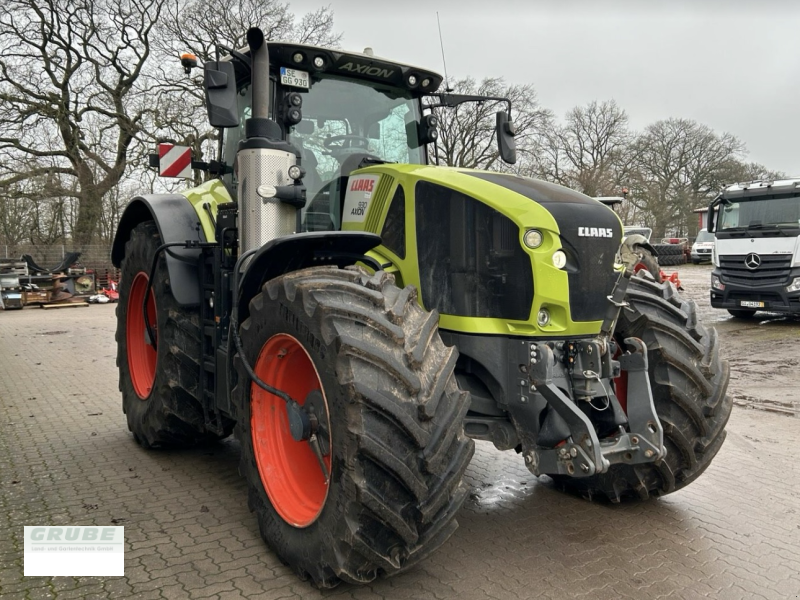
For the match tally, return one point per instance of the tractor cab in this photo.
(340, 111)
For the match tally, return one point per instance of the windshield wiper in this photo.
(736, 231)
(768, 227)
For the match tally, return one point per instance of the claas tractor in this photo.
(356, 317)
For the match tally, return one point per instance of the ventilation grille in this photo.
(385, 183)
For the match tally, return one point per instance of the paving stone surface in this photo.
(67, 458)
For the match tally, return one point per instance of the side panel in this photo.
(211, 194)
(177, 221)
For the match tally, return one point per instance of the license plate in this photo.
(751, 304)
(294, 78)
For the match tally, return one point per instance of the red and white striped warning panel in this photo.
(174, 161)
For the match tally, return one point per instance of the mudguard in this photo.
(299, 251)
(177, 221)
(637, 239)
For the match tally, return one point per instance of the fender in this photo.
(637, 239)
(299, 251)
(177, 221)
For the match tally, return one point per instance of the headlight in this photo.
(794, 286)
(559, 259)
(543, 318)
(533, 238)
(717, 284)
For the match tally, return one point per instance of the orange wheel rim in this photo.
(142, 356)
(289, 470)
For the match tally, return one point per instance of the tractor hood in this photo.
(466, 240)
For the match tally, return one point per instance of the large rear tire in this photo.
(392, 425)
(689, 381)
(159, 387)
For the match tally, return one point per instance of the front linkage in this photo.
(587, 367)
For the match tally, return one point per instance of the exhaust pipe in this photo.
(259, 74)
(263, 160)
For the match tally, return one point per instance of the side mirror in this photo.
(710, 219)
(220, 86)
(505, 138)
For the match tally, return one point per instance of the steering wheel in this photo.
(346, 142)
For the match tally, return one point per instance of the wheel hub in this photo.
(290, 440)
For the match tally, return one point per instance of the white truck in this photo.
(757, 253)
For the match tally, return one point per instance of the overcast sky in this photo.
(731, 64)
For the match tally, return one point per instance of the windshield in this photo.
(759, 214)
(704, 236)
(345, 122)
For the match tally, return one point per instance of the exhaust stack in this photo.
(259, 75)
(263, 160)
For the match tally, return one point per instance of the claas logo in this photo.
(362, 185)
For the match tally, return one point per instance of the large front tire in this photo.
(159, 387)
(689, 381)
(394, 418)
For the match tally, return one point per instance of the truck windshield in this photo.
(760, 213)
(345, 122)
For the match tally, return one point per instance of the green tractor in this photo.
(356, 317)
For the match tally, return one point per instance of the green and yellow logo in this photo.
(74, 539)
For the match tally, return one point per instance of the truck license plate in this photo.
(751, 304)
(294, 78)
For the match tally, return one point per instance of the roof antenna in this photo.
(447, 87)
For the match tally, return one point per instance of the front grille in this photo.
(590, 266)
(592, 277)
(761, 297)
(773, 270)
(471, 263)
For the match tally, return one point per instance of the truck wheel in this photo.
(742, 313)
(159, 388)
(390, 416)
(647, 262)
(689, 383)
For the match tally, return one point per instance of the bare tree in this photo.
(201, 27)
(750, 171)
(590, 152)
(68, 94)
(679, 165)
(467, 133)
